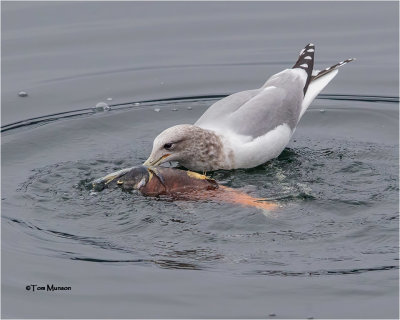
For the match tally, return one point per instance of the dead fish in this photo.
(178, 184)
(156, 181)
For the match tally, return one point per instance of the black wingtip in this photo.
(306, 62)
(331, 68)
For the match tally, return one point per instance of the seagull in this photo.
(247, 128)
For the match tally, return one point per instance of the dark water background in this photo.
(330, 251)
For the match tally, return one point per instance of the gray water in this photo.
(329, 251)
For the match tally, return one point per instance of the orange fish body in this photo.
(231, 195)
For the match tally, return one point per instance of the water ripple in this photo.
(41, 120)
(339, 200)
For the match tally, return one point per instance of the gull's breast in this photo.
(246, 152)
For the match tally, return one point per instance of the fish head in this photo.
(134, 179)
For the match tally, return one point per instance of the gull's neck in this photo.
(212, 152)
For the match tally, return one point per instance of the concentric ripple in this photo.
(338, 214)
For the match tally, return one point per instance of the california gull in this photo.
(247, 128)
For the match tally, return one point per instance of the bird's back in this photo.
(282, 99)
(253, 126)
(253, 113)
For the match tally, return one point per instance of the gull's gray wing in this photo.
(269, 109)
(256, 112)
(220, 109)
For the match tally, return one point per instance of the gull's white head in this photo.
(193, 147)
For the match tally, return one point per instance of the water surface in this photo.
(330, 250)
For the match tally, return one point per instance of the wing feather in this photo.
(255, 112)
(220, 109)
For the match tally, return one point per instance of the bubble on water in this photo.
(101, 106)
(157, 109)
(189, 108)
(109, 99)
(322, 110)
(22, 94)
(137, 103)
(174, 109)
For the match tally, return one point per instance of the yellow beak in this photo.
(151, 163)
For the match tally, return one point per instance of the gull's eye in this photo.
(168, 146)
